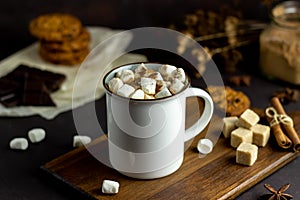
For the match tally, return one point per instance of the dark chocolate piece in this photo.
(52, 80)
(29, 86)
(9, 92)
(35, 92)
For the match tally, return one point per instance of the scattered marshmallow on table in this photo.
(110, 187)
(18, 143)
(205, 146)
(80, 140)
(36, 135)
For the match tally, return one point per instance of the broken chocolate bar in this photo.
(9, 92)
(52, 80)
(29, 86)
(35, 92)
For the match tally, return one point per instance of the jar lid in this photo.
(287, 14)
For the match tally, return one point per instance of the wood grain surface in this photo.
(214, 176)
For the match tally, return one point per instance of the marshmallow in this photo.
(176, 86)
(139, 72)
(138, 76)
(205, 146)
(138, 94)
(114, 84)
(179, 74)
(141, 69)
(156, 76)
(18, 143)
(127, 76)
(151, 81)
(80, 140)
(166, 70)
(126, 90)
(148, 72)
(118, 74)
(110, 187)
(148, 85)
(163, 93)
(246, 154)
(148, 96)
(36, 135)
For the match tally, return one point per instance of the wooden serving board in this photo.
(215, 176)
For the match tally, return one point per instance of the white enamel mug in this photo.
(146, 137)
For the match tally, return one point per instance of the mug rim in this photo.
(187, 85)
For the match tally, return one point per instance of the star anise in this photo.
(279, 194)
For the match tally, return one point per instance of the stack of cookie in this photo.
(63, 39)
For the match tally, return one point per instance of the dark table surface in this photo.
(22, 178)
(20, 175)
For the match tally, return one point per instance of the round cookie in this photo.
(237, 102)
(232, 101)
(64, 58)
(55, 27)
(78, 43)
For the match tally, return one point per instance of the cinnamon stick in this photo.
(289, 129)
(282, 140)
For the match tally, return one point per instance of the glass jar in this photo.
(280, 43)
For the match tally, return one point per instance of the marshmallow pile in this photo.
(144, 83)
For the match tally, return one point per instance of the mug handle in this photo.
(202, 122)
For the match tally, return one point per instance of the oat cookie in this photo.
(55, 27)
(64, 58)
(226, 98)
(75, 44)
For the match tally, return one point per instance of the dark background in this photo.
(122, 14)
(20, 176)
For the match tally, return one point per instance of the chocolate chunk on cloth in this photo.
(9, 92)
(29, 86)
(35, 92)
(52, 80)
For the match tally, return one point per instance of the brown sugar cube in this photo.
(248, 119)
(246, 154)
(261, 134)
(240, 135)
(229, 125)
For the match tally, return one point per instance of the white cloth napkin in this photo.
(65, 98)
